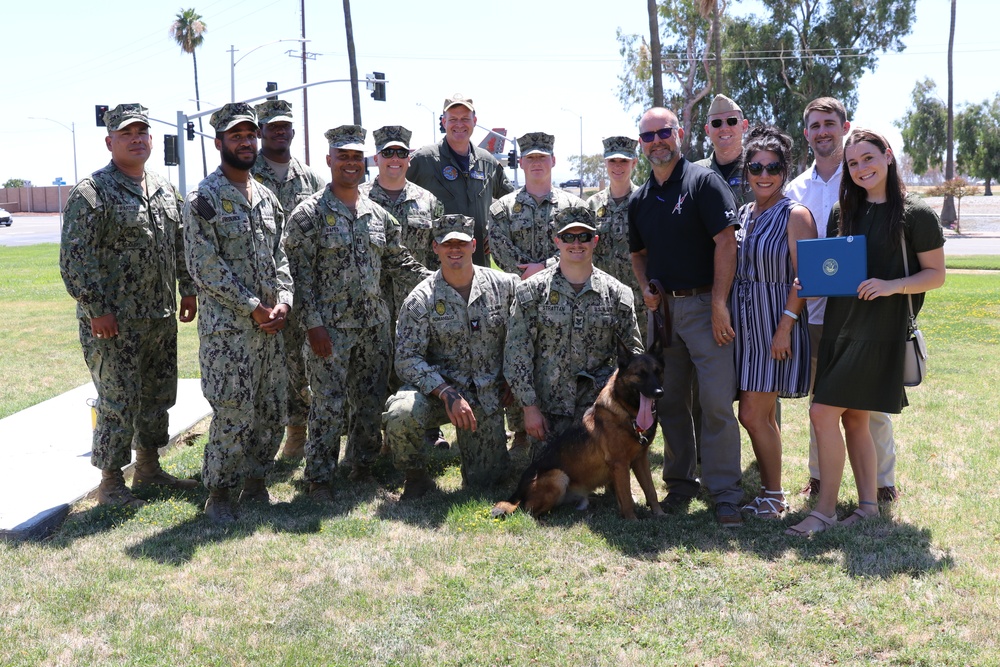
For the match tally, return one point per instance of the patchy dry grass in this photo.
(369, 580)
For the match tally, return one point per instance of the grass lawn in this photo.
(371, 581)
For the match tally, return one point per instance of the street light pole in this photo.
(72, 129)
(233, 61)
(434, 121)
(581, 146)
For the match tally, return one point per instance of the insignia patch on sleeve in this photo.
(203, 207)
(89, 193)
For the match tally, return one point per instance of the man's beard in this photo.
(670, 157)
(230, 158)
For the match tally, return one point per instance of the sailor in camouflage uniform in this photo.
(521, 223)
(564, 331)
(338, 243)
(122, 258)
(449, 353)
(235, 255)
(610, 207)
(292, 181)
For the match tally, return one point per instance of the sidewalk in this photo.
(45, 457)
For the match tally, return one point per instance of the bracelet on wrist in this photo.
(792, 315)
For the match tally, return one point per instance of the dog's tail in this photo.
(504, 508)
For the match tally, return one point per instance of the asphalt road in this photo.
(45, 229)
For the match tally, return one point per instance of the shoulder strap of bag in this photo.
(906, 272)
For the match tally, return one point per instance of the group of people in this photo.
(351, 308)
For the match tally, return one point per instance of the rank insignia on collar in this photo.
(439, 308)
(258, 178)
(553, 298)
(518, 207)
(227, 206)
(601, 212)
(474, 324)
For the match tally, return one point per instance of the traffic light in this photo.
(378, 93)
(99, 110)
(170, 150)
(512, 159)
(270, 88)
(190, 131)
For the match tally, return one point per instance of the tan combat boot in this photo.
(320, 493)
(417, 484)
(113, 491)
(255, 490)
(148, 471)
(218, 508)
(295, 442)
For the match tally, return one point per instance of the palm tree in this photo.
(188, 30)
(353, 61)
(948, 215)
(655, 54)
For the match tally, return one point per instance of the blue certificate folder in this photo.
(832, 266)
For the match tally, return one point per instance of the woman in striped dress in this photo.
(772, 339)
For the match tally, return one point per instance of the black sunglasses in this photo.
(731, 121)
(662, 133)
(395, 152)
(773, 168)
(570, 237)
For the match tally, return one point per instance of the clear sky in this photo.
(529, 65)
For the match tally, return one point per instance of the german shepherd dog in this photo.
(613, 436)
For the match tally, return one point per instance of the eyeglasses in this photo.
(773, 168)
(662, 133)
(731, 121)
(570, 237)
(395, 152)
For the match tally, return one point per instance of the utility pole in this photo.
(305, 91)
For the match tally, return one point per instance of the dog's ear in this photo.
(624, 353)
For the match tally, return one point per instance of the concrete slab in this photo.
(57, 435)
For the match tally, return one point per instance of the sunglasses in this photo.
(731, 121)
(773, 168)
(570, 237)
(662, 133)
(395, 152)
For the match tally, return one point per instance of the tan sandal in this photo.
(857, 515)
(826, 522)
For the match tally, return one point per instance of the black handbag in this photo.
(915, 360)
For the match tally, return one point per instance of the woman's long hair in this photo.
(853, 197)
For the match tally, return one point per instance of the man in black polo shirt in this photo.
(682, 232)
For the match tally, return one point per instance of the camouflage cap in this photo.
(348, 137)
(274, 111)
(231, 115)
(454, 226)
(620, 147)
(722, 104)
(388, 136)
(574, 216)
(124, 115)
(458, 99)
(536, 142)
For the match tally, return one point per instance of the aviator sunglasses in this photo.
(662, 133)
(731, 121)
(571, 237)
(773, 168)
(395, 152)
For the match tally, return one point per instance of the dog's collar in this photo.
(639, 433)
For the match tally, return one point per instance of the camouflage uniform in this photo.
(414, 209)
(337, 258)
(562, 346)
(612, 253)
(122, 252)
(235, 255)
(441, 339)
(521, 229)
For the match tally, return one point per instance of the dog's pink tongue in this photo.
(644, 419)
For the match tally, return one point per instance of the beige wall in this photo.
(42, 199)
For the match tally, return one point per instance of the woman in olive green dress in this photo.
(861, 355)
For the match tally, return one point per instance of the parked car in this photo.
(571, 183)
(6, 219)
